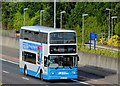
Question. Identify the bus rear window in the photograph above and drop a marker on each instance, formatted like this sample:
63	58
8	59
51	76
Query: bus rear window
62	38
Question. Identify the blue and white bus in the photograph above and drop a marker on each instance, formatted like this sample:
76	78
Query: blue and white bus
48	53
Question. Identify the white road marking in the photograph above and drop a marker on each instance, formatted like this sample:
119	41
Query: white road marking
80	82
9	61
95	80
25	78
5	71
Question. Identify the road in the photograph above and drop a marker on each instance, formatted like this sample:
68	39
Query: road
10	51
12	75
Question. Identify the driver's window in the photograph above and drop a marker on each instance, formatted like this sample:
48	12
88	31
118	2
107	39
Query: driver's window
45	61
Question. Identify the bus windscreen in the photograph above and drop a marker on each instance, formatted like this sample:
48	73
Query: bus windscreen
62	38
62	61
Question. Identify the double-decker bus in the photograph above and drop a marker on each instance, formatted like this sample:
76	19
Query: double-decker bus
48	53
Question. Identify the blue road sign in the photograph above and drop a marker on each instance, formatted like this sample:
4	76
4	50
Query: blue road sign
93	36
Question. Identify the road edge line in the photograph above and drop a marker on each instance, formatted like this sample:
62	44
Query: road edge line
9	61
80	82
5	72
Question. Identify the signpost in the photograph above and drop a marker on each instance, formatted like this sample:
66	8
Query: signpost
93	36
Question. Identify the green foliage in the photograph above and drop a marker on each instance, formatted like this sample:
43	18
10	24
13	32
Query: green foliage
18	21
79	34
103	52
117	29
91	25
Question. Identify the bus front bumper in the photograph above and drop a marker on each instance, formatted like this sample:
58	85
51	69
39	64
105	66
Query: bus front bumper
60	77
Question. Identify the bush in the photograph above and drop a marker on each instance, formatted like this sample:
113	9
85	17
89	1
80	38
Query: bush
102	41
114	41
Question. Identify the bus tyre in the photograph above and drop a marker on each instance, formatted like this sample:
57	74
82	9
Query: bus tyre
25	71
41	76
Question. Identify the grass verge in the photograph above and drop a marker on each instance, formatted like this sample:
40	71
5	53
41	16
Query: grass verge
104	52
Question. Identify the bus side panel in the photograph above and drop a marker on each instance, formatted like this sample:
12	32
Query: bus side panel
32	73
21	63
35	73
33	69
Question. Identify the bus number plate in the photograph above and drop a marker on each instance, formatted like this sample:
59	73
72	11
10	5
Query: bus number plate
63	78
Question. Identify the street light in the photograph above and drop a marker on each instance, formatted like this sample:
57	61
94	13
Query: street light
41	16
113	17
83	28
61	18
54	14
24	14
108	24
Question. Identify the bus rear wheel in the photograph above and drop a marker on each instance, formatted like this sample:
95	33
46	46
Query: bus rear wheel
25	71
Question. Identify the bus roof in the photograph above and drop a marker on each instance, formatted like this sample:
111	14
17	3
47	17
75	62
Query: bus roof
44	29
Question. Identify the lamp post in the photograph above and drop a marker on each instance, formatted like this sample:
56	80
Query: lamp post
61	18
41	16
108	24
24	14
54	14
113	17
83	28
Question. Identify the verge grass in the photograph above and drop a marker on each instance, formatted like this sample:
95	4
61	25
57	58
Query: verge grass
103	52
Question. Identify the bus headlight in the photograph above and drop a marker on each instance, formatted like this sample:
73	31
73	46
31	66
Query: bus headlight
74	72
52	72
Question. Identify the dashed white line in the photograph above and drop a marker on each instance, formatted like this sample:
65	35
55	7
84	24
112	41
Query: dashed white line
5	71
80	82
9	61
25	78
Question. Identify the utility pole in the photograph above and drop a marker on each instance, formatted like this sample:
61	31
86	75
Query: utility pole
24	14
54	14
113	17
83	27
108	24
61	18
41	11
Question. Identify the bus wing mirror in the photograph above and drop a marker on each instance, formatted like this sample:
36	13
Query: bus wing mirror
77	58
45	61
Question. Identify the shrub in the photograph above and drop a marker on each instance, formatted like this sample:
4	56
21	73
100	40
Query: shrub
114	41
102	41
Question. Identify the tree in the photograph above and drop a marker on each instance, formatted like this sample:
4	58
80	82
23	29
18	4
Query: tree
117	29
18	21
91	25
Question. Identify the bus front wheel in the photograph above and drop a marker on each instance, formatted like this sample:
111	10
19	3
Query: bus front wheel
41	76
